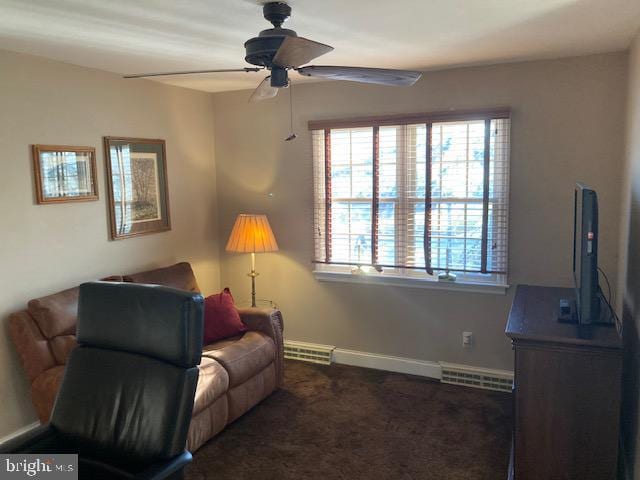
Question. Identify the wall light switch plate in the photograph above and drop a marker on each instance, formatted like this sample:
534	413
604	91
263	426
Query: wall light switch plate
467	339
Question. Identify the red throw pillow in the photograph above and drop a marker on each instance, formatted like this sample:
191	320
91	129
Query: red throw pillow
221	319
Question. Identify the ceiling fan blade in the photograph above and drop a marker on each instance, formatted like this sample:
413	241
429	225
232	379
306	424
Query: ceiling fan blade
296	51
190	72
382	76
264	91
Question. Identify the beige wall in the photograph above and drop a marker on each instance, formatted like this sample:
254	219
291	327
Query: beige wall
568	125
46	248
630	268
568	117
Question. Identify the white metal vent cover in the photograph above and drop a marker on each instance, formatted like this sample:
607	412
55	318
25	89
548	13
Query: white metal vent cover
308	352
499	380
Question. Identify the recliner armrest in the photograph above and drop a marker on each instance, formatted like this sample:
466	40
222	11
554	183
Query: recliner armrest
161	470
268	321
26	440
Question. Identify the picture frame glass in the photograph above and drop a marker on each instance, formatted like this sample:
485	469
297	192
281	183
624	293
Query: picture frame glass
64	174
138	186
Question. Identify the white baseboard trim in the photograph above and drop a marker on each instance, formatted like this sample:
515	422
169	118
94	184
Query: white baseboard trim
19	432
465	375
410	366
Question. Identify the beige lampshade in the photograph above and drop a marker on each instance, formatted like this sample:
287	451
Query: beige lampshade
251	233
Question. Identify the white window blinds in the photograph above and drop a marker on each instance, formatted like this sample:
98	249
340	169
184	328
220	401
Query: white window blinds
421	193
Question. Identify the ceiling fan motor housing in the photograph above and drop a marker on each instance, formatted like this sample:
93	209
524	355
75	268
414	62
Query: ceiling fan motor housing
260	50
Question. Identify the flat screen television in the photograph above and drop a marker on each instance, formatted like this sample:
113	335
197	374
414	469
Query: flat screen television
585	256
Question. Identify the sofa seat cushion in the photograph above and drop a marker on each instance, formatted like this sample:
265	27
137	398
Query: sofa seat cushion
219	344
243	356
208	423
213	382
243	397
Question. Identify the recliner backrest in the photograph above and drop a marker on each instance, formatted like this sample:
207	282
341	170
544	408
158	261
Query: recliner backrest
128	388
153	320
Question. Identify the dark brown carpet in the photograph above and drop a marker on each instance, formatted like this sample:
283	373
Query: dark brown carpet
339	422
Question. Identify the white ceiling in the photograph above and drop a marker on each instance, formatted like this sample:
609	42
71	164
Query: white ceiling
132	36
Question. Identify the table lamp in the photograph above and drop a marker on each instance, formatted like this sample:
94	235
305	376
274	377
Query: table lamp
252	234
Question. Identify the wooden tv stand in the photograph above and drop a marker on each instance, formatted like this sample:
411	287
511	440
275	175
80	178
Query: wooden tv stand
566	394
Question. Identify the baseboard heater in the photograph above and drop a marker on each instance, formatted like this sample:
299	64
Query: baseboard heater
308	352
484	378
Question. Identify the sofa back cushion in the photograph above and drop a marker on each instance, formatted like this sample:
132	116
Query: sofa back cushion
44	334
178	276
56	314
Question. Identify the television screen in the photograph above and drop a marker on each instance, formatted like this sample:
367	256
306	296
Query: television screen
585	254
577	235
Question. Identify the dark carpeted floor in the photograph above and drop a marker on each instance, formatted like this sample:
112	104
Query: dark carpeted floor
339	422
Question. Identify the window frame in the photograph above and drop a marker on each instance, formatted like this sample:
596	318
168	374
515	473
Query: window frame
406	276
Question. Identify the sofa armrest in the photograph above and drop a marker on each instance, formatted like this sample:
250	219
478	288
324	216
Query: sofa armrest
268	321
44	390
31	345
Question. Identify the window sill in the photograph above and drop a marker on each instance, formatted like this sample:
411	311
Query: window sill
393	281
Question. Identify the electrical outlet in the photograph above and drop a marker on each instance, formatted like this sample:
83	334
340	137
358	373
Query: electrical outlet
467	339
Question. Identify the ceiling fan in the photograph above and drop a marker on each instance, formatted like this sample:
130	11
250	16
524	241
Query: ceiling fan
279	50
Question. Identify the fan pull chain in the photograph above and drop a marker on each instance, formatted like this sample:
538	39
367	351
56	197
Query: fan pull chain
292	136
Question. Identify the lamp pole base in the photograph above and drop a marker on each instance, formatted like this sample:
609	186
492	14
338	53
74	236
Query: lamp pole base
253	288
253	276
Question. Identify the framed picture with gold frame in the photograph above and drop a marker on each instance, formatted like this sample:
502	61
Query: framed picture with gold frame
137	186
64	173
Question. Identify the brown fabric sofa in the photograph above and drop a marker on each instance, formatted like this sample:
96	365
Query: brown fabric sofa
235	373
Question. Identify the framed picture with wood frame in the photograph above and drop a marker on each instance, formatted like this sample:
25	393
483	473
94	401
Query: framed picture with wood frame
137	186
64	173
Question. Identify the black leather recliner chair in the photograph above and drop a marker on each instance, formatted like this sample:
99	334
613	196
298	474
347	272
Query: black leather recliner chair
126	398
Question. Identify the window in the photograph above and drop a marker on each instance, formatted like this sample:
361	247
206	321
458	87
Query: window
413	196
